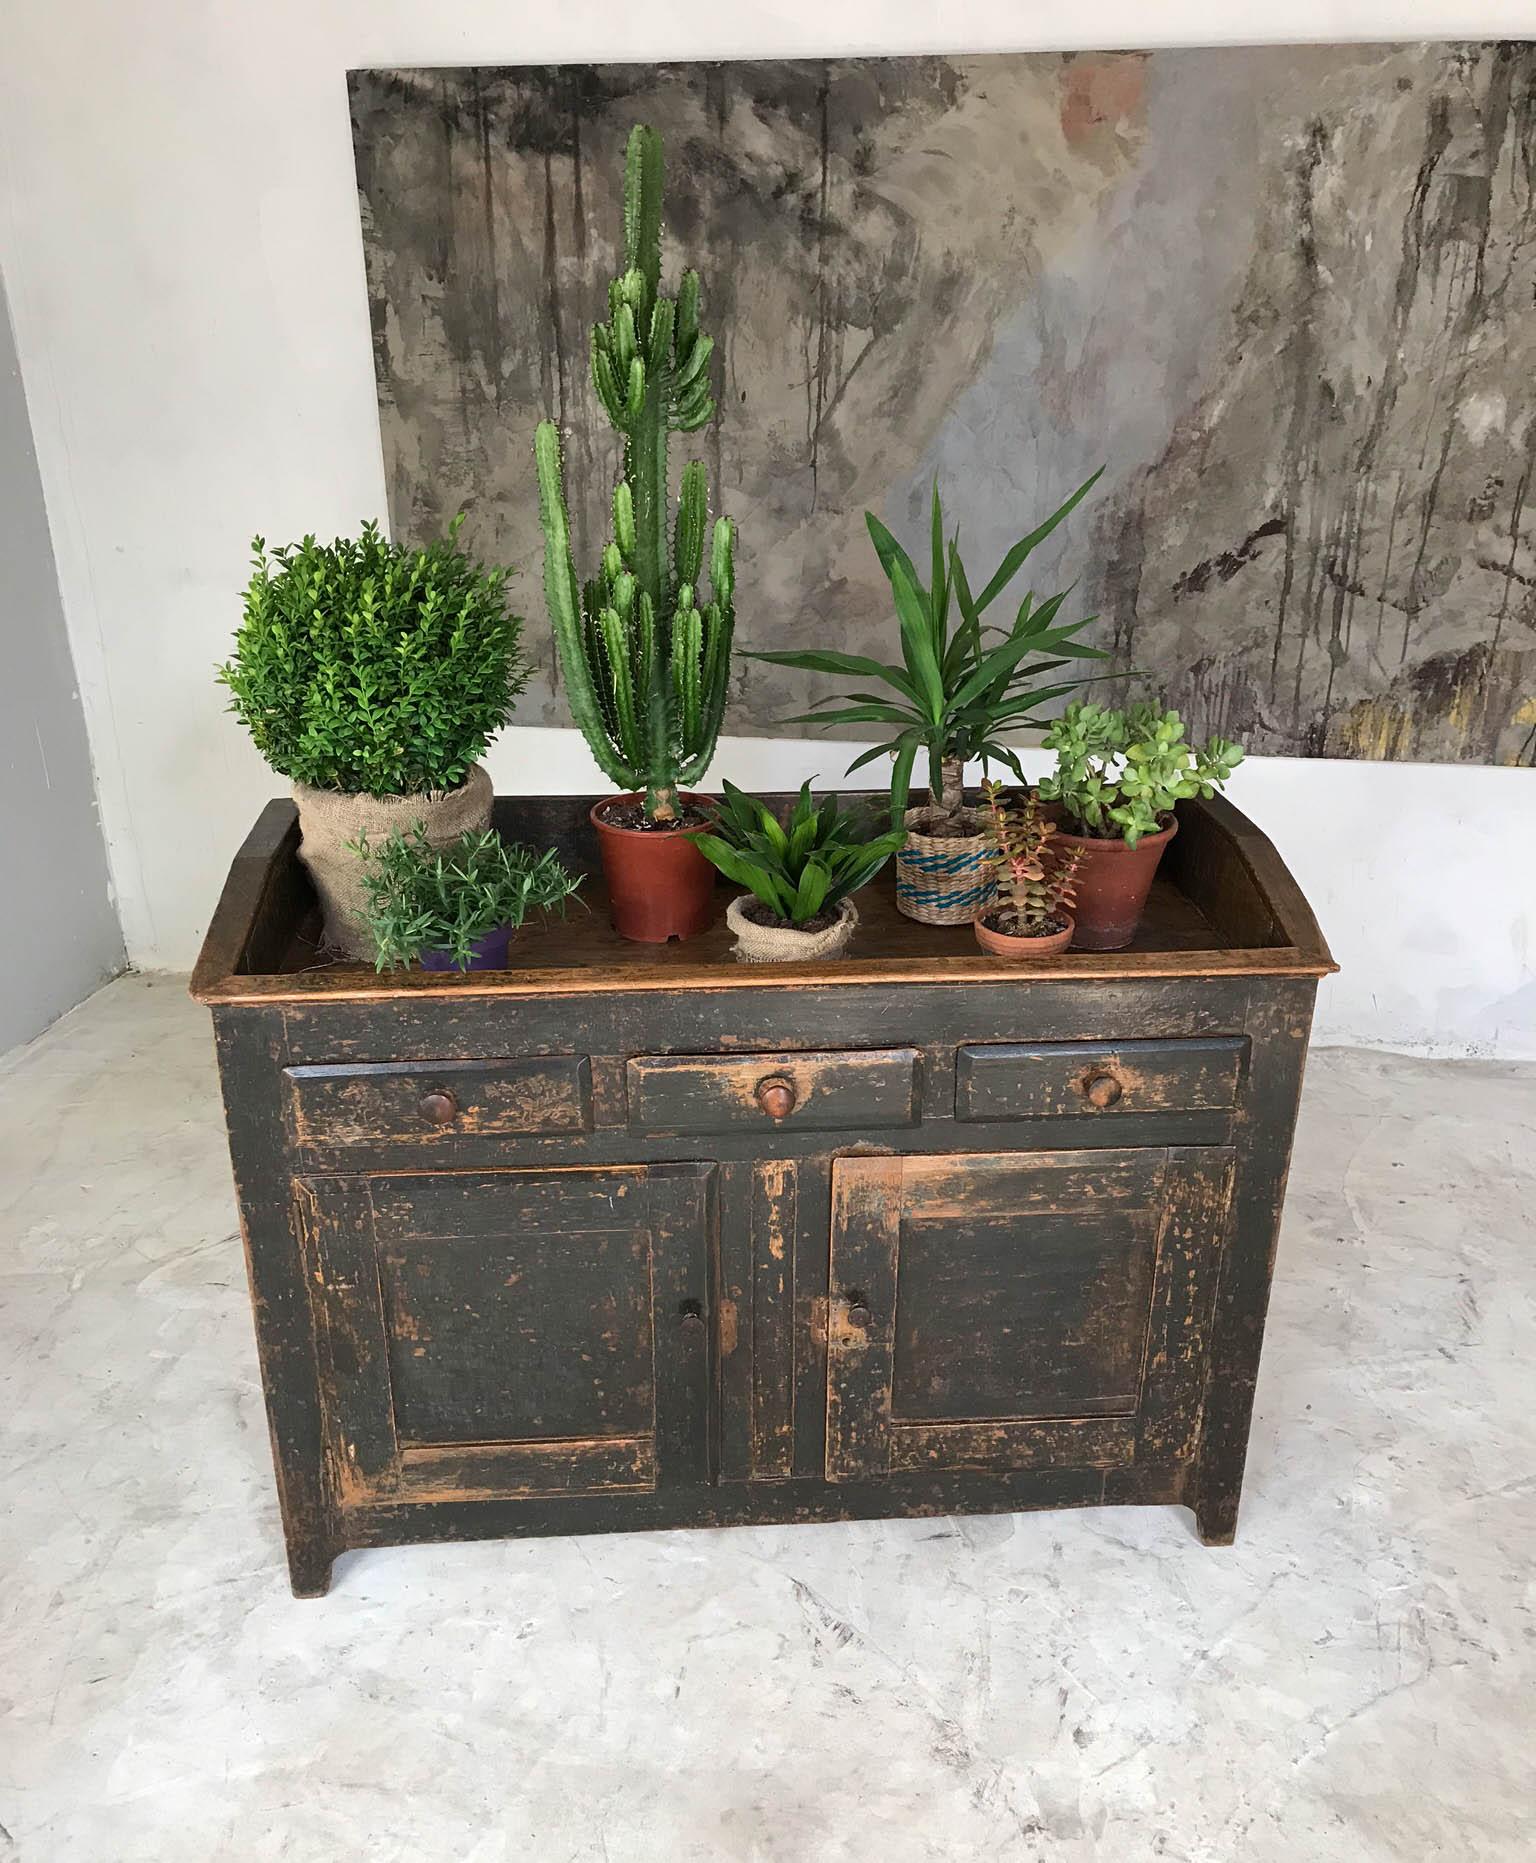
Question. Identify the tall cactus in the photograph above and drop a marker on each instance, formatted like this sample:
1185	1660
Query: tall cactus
645	656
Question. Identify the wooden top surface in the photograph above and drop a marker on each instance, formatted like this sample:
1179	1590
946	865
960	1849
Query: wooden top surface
1224	905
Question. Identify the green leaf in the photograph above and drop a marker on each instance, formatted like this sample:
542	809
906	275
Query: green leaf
917	644
994	664
869	756
891	553
854	714
938	594
853	665
815	881
901	778
1011	563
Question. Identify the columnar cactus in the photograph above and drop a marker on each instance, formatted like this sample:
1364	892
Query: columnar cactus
645	655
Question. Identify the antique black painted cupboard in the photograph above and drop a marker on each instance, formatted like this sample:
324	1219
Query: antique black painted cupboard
629	1237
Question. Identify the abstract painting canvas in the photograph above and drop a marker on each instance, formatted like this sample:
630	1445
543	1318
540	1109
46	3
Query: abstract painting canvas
1287	297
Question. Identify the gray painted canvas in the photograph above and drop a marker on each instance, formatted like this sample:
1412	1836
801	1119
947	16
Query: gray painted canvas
59	935
1285	295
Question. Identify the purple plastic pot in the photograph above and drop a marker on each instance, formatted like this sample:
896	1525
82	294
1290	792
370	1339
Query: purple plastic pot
487	953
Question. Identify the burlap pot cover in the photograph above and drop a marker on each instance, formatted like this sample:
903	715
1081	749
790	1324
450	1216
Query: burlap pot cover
782	944
945	879
329	820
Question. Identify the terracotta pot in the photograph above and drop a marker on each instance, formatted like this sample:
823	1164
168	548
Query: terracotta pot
1112	886
659	885
487	953
786	944
1007	944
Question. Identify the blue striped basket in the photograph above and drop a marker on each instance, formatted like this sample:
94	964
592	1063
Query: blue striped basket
945	879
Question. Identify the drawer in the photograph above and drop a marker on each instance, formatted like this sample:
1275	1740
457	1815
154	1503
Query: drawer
1046	1080
422	1102
817	1092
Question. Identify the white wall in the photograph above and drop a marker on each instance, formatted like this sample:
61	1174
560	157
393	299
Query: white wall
59	936
181	242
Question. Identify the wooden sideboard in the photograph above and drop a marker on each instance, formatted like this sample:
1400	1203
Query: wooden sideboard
641	1237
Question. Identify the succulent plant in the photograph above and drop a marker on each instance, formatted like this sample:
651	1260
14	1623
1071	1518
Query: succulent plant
1035	881
1119	773
644	646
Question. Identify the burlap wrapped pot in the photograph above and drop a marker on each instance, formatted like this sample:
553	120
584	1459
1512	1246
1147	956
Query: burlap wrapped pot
782	944
328	820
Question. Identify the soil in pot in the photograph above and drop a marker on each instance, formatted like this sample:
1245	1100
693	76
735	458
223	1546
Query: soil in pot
935	826
659	885
1112	885
993	938
487	953
763	938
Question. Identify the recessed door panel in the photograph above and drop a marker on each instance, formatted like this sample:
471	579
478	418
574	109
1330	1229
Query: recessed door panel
512	1333
1016	1310
1009	1316
519	1336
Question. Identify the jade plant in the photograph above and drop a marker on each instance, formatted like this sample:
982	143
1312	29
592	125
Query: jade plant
644	645
954	693
369	668
799	869
1036	883
427	899
1119	773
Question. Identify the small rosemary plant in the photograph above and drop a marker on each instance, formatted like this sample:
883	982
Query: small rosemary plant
1036	882
422	898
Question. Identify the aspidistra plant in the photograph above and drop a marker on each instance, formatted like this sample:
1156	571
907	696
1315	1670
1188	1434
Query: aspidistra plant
799	867
953	695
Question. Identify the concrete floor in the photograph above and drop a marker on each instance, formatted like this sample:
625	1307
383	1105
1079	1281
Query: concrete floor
1356	1679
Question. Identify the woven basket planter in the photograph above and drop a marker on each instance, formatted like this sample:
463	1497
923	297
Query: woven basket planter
944	879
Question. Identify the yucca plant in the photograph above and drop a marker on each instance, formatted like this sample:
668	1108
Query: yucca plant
800	868
953	694
644	649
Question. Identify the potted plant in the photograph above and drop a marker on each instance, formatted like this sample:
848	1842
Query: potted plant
374	676
949	700
1118	776
1030	919
454	907
644	647
800	875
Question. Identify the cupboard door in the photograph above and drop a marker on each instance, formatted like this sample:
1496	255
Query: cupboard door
1020	1310
511	1334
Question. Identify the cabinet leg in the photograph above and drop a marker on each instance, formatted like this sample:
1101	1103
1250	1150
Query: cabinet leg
1216	1520
309	1567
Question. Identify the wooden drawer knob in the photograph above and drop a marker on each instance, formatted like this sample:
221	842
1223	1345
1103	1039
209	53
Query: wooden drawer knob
690	1316
1103	1090
776	1096
439	1107
858	1310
